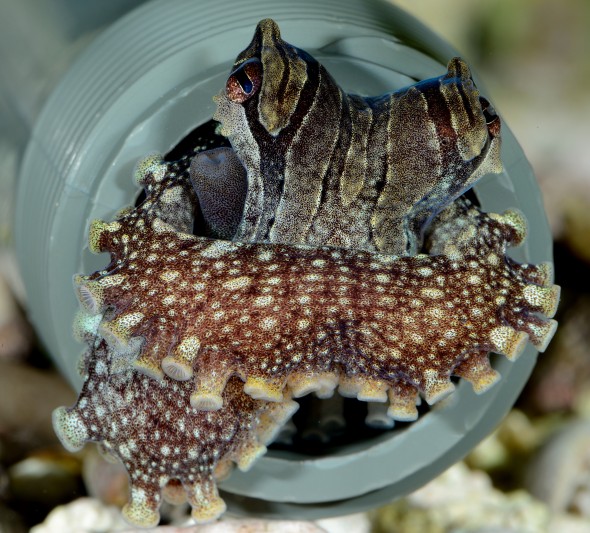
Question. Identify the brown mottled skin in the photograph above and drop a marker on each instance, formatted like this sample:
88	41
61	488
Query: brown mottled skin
314	317
286	319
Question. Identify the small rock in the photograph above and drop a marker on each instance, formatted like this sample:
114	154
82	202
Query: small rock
46	478
89	514
357	523
463	500
83	514
560	474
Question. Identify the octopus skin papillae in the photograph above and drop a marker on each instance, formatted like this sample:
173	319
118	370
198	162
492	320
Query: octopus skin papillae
196	347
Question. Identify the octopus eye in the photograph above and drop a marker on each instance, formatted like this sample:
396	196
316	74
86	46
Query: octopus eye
244	82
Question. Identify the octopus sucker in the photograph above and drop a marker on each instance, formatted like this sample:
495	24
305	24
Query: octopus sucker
403	399
209	387
435	387
322	383
477	370
326	382
223	469
540	332
179	364
150	166
205	501
378	417
363	387
118	332
148	366
70	429
177	369
262	388
173	492
542	274
514	219
85	325
544	298
508	341
89	295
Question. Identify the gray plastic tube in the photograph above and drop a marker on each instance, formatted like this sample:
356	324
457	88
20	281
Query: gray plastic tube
141	87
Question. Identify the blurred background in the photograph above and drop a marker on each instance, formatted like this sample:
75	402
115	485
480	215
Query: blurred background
533	473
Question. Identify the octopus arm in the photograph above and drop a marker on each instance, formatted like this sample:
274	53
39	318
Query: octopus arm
167	447
381	327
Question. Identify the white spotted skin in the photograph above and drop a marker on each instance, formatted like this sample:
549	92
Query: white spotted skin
70	428
129	414
275	316
272	313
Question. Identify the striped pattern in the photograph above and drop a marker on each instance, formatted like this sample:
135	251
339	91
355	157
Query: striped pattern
328	168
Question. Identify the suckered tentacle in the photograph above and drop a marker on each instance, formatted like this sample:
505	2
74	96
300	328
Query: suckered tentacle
164	443
279	316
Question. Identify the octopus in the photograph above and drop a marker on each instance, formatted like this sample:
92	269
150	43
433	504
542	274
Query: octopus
340	256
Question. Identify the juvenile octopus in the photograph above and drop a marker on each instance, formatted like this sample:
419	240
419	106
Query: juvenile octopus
196	346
